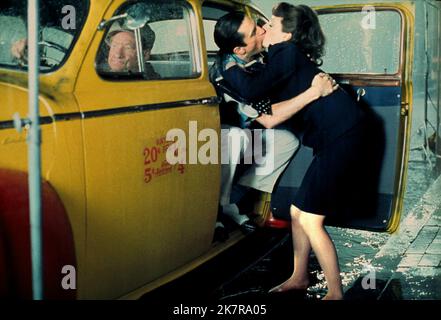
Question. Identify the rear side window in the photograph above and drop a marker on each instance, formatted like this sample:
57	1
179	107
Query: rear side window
211	13
362	41
161	44
61	22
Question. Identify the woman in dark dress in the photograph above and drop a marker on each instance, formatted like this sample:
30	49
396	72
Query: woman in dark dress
334	127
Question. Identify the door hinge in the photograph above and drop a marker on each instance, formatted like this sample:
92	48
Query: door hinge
404	109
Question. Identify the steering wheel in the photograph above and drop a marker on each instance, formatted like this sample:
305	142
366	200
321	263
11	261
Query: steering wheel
52	45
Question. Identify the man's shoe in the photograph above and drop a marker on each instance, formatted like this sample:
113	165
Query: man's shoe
220	234
247	227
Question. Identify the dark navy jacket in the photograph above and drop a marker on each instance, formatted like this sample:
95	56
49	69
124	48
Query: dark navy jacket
288	73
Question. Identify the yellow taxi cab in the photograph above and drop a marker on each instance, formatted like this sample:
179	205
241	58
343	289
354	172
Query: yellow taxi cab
117	214
114	209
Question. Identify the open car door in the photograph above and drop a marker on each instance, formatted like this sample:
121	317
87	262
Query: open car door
369	52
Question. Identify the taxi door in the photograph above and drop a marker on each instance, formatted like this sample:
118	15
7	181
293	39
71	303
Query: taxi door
145	216
369	51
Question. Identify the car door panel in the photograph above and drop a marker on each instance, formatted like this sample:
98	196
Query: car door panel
160	216
386	96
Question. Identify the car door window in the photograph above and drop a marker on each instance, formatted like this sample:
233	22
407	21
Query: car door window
61	22
168	44
370	42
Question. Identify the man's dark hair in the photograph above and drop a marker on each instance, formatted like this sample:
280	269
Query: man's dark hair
226	33
227	37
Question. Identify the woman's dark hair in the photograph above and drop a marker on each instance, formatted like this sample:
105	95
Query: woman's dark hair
302	22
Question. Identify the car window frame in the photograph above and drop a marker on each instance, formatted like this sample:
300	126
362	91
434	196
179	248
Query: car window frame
68	52
195	49
395	77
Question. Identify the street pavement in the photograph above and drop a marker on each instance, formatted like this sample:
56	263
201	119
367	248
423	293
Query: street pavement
374	266
408	265
417	245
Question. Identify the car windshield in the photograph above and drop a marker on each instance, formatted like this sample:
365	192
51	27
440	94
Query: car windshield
61	22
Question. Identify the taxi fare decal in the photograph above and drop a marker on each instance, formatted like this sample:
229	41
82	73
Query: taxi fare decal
155	162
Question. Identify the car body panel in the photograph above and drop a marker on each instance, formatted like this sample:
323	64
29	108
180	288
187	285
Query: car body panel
153	210
405	75
388	96
158	221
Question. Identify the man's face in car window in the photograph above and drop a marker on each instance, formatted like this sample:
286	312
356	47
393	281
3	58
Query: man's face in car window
122	53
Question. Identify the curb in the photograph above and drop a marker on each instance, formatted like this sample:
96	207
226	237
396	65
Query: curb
393	251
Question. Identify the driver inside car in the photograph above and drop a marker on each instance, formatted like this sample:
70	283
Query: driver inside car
55	44
121	47
122	56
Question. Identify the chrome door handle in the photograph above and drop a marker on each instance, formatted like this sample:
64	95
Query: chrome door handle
360	93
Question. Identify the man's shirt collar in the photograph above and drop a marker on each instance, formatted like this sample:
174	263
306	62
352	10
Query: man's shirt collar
258	58
233	58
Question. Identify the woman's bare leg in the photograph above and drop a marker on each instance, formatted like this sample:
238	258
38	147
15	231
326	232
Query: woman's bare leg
299	279
324	249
